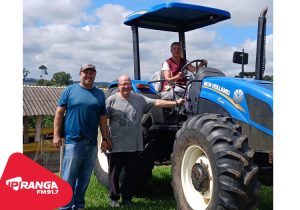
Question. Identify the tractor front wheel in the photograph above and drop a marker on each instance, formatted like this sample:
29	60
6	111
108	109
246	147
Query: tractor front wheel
212	166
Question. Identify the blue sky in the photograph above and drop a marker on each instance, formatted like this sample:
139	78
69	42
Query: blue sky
63	34
241	33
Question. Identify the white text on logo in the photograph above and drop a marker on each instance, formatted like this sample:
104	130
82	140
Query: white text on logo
216	87
41	187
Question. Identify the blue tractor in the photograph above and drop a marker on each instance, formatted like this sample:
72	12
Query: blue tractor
221	150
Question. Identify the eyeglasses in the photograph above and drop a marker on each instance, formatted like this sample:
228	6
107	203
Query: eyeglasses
125	84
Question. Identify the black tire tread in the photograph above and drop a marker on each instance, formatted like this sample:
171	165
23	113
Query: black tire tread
236	170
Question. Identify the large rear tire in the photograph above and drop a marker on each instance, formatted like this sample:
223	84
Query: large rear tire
212	166
145	163
143	171
101	165
101	168
147	157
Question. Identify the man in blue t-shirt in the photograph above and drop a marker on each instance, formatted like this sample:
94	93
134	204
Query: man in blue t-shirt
83	107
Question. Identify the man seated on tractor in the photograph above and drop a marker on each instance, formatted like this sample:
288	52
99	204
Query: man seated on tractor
172	72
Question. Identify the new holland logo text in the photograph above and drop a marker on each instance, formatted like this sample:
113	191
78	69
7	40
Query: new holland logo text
217	88
41	187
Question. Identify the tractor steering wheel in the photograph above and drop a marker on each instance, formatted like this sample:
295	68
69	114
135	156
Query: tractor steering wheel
197	61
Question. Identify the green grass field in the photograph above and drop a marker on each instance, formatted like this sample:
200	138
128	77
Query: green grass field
157	195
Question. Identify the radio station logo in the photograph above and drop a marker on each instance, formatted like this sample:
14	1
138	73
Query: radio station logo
41	187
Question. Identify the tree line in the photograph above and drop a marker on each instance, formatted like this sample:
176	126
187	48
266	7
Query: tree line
64	79
58	79
251	74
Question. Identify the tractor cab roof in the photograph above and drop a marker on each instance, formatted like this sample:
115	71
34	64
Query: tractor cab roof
176	17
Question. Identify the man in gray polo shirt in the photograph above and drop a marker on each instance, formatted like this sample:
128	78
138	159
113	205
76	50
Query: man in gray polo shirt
125	111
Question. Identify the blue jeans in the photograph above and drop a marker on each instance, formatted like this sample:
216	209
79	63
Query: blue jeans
77	166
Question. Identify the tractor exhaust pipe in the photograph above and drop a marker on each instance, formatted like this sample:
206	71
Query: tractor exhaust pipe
261	46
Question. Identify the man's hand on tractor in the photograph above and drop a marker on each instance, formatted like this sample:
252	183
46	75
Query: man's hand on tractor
180	101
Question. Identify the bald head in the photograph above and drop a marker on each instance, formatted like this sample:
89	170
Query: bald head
123	78
124	85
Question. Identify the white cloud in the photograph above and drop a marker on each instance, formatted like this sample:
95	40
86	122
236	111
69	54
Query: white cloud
54	11
64	47
63	42
243	13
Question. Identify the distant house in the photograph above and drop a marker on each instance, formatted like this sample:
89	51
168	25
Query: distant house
38	101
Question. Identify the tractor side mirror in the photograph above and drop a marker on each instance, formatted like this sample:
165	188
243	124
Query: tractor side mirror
240	57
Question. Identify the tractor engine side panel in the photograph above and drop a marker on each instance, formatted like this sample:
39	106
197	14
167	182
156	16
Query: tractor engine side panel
247	102
258	140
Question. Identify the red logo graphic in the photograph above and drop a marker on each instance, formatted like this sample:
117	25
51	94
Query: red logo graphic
27	185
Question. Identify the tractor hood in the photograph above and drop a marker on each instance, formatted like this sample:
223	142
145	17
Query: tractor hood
173	17
250	101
